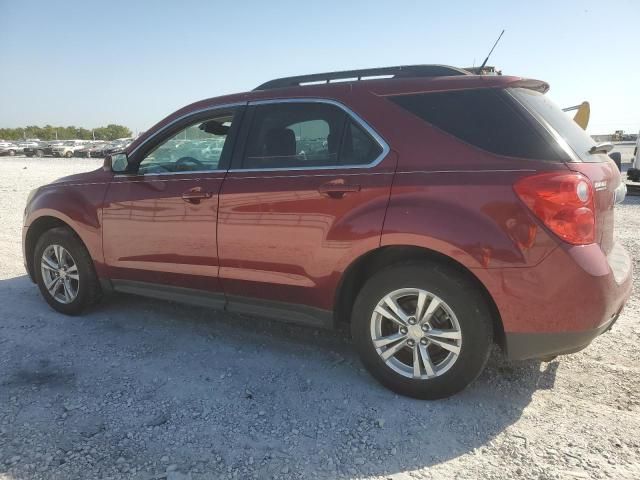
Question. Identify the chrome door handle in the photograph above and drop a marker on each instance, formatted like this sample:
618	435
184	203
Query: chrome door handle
194	195
338	189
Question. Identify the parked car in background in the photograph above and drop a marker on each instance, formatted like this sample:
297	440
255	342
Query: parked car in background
117	146
88	149
9	148
82	151
633	173
437	212
29	142
37	149
98	150
67	148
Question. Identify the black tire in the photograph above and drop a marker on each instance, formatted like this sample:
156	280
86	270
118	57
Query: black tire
12	153
463	298
39	153
88	292
68	154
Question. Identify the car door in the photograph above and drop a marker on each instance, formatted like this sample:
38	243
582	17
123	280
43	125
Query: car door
306	194
159	220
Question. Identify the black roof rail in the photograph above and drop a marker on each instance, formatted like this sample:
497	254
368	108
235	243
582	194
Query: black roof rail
405	71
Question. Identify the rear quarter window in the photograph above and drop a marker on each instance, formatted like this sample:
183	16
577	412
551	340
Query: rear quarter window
564	126
485	118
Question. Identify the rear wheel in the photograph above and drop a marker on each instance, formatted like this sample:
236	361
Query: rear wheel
68	154
64	272
422	330
12	153
39	153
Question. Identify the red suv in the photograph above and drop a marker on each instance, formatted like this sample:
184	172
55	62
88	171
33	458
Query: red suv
435	211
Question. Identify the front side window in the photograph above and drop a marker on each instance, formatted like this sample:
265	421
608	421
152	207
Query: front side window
196	148
299	135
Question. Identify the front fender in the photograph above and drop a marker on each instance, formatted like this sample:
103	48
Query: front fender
78	205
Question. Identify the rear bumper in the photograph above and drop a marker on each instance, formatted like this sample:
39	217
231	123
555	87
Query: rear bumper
521	346
560	305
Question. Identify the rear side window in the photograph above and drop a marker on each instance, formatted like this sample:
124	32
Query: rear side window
486	118
563	124
306	135
358	148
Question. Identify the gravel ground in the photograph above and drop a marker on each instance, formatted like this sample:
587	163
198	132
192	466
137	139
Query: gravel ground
143	389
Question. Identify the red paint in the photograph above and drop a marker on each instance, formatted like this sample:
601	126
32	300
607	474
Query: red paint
283	239
151	233
286	236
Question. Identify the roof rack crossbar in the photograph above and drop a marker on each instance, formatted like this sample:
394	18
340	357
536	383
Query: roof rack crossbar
405	71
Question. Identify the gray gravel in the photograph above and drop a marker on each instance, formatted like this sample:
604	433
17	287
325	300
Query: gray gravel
142	389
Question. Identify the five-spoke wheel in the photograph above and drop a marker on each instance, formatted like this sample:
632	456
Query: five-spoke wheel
60	273
64	271
416	333
423	330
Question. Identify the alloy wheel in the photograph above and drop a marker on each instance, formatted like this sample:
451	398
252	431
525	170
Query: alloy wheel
60	274
416	333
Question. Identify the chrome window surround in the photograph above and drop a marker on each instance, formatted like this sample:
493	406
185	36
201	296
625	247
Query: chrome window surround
560	141
354	116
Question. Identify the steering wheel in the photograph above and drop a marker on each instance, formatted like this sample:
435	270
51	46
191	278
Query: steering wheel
184	161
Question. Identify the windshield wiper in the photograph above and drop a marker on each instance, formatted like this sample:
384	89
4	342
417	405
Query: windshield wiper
604	147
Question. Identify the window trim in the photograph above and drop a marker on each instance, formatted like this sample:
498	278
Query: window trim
350	113
560	143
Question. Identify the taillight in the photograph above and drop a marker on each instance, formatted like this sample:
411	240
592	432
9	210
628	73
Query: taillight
564	202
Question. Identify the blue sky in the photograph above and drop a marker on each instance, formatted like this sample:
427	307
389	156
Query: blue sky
89	63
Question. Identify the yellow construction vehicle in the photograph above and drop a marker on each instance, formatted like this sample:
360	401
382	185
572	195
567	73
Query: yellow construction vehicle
582	114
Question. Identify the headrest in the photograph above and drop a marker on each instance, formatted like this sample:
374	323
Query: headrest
280	142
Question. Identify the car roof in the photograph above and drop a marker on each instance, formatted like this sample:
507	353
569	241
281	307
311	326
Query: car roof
445	79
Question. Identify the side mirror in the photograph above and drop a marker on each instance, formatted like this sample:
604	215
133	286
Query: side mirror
117	163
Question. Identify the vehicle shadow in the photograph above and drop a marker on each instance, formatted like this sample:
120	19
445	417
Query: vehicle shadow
140	379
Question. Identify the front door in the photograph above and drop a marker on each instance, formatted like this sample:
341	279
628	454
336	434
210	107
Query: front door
159	221
306	194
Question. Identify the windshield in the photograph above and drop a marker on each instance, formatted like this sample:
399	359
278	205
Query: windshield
572	134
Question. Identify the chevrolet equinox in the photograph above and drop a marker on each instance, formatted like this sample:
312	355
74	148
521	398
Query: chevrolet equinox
435	211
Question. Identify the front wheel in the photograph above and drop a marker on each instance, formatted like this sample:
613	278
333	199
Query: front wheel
64	272
422	330
68	154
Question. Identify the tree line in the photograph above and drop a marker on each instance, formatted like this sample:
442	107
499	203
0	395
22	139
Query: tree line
49	132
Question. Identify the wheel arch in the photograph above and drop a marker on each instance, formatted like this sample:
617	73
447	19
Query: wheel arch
363	267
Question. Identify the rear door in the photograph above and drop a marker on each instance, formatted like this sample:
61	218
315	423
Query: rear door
159	221
306	194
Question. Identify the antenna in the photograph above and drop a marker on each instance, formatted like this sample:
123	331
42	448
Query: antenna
490	52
